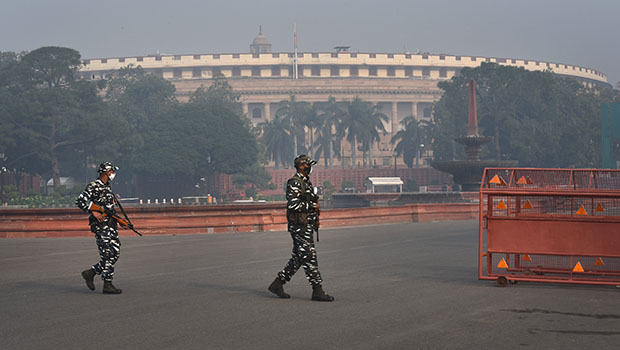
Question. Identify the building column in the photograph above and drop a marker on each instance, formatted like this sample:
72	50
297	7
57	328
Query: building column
267	111
394	118
414	110
246	109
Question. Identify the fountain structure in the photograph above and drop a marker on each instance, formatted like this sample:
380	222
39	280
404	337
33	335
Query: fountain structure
468	173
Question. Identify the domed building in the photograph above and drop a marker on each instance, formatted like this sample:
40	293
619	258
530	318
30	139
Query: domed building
401	84
260	43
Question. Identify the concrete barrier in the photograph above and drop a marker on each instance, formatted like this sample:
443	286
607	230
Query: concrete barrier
69	222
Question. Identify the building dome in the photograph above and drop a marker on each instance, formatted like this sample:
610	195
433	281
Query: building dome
260	40
260	43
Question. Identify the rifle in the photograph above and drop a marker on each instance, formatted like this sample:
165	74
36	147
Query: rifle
108	213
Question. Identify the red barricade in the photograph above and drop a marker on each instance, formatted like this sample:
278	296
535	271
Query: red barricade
550	225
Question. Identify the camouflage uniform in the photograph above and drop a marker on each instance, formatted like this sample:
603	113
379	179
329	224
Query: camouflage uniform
302	216
106	233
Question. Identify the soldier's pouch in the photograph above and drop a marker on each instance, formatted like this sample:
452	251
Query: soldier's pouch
297	218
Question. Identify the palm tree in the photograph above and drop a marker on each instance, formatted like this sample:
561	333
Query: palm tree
332	113
374	122
294	112
312	120
277	139
408	140
353	124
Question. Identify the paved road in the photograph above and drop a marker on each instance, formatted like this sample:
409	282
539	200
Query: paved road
402	286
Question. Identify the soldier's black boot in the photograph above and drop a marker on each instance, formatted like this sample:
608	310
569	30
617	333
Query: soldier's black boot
108	288
276	287
88	276
319	295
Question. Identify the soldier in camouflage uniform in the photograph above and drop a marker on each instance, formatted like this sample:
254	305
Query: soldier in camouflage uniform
302	213
104	227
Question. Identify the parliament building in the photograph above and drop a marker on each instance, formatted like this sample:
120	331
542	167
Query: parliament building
401	84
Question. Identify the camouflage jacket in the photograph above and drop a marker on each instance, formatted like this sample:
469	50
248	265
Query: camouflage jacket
302	202
98	193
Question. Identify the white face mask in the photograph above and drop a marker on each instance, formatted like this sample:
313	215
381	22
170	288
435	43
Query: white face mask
112	176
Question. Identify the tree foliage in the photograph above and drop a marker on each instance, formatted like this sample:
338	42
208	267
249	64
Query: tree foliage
536	117
53	122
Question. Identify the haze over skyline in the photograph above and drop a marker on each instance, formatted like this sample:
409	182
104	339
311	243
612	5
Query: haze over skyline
570	31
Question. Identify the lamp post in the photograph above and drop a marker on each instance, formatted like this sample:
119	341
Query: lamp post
395	166
421	153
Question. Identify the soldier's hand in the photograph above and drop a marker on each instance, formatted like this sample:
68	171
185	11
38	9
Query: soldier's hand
98	216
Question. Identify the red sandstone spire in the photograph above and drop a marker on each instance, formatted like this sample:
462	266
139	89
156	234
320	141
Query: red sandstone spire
472	118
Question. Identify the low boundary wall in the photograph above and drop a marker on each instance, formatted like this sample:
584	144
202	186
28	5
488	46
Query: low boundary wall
70	222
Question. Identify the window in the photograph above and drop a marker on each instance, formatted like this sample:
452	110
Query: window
217	72
121	60
196	73
458	58
526	62
372	71
140	59
426	72
104	60
196	57
216	56
427	112
443	73
236	71
373	55
387	161
537	63
315	55
290	71
408	56
390	55
500	60
255	55
513	61
177	57
291	55
409	71
353	71
275	71
442	57
235	55
425	56
275	55
334	55
390	72
86	61
257	113
473	59
316	71
353	55
255	71
157	58
177	73
335	71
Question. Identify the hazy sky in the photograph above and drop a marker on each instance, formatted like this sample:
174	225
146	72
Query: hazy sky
578	32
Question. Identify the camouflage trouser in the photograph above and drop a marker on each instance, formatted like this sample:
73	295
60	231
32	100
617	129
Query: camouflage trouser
109	249
304	254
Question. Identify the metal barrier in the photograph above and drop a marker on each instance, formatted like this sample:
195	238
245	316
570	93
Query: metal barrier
550	225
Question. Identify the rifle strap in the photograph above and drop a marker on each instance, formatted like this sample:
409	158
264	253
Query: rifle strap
121	208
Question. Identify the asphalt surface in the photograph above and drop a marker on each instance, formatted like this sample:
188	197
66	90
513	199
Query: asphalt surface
402	286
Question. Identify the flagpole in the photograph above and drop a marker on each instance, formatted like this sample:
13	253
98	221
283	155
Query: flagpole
295	73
